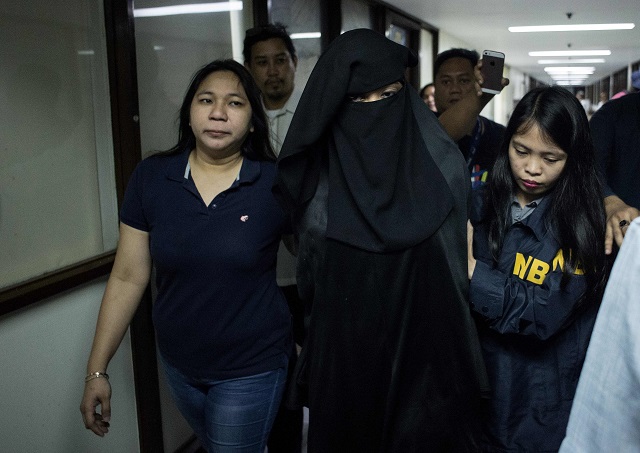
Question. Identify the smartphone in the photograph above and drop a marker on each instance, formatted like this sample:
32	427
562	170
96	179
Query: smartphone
492	67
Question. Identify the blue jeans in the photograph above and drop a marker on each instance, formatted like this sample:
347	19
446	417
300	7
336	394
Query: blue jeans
230	415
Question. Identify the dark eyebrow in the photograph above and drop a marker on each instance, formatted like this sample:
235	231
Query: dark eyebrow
228	95
555	151
281	54
519	144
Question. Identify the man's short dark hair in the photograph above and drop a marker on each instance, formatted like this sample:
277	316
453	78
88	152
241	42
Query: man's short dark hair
264	32
467	54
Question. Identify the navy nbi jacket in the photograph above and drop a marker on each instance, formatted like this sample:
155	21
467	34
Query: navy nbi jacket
533	341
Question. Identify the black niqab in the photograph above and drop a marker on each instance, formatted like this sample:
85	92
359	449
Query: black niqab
380	168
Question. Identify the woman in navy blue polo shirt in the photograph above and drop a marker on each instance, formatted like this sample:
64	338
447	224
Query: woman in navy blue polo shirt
204	215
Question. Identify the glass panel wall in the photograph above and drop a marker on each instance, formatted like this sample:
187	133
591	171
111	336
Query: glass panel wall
170	49
356	14
57	187
302	19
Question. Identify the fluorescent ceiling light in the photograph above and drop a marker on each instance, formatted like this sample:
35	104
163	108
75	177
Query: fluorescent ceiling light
188	9
565	80
570	69
310	35
569	76
579	27
577	61
569	82
569	53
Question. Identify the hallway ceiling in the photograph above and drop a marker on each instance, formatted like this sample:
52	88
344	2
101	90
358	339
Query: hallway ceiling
483	24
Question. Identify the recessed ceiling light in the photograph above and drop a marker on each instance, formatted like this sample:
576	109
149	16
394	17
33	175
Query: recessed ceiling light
569	53
577	27
576	61
188	9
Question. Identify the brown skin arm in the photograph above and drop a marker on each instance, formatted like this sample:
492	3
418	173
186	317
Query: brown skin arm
127	282
460	119
471	261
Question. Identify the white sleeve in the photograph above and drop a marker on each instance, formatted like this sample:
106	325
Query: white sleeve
606	410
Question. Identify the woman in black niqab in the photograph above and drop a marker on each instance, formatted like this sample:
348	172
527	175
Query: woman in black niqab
391	361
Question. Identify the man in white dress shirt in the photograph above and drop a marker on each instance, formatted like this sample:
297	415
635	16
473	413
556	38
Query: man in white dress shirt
270	57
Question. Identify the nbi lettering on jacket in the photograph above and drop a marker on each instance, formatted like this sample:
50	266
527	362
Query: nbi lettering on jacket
535	270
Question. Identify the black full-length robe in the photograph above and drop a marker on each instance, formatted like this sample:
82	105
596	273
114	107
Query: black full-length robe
391	362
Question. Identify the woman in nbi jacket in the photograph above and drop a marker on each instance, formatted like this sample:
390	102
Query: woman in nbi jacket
537	269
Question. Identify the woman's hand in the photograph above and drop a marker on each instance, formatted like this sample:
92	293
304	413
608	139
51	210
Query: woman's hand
97	392
127	282
471	261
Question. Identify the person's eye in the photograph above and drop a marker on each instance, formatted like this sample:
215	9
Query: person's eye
388	93
261	63
520	152
236	103
551	160
204	101
356	98
465	81
282	60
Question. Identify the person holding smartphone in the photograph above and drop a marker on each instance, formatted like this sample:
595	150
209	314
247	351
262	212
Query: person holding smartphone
459	100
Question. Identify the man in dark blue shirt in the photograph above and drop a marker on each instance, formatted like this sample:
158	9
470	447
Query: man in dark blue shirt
459	106
616	137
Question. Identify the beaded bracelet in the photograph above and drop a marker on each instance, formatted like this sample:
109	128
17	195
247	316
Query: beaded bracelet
97	374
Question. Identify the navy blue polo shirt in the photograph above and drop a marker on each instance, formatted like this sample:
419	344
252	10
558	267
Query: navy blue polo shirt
219	313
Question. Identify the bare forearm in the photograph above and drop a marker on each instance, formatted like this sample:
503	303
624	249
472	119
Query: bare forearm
119	304
460	119
471	261
128	281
